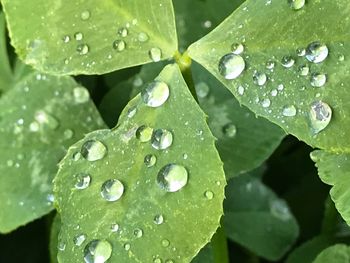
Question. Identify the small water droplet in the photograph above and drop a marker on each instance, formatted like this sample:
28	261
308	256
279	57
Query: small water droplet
316	52
274	93
280	210
150	160
304	70
270	64
76	156
78	36
43	118
161	139
172	177
296	4
144	133
79	239
97	251
155	94
112	190
301	51
68	134
237	48
287	61
61	246
259	78
209	194
266	103
318	80
165	243
81	95
83	49
229	130
85	15
93	150
155	54
240	90
231	66
341	57
66	39
127	246
132	111
142	37
280	87
114	227
138	232
119	45
123	32
82	180
320	116
158	219
202	90
289	111
157	260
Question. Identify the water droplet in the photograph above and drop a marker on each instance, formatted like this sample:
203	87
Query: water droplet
165	243
119	45
142	37
304	70
97	251
79	239
112	190
144	133
209	195
66	39
157	260
132	111
81	95
115	227
61	246
78	36
155	54
83	49
82	180
237	48
320	116
231	66
259	78
287	61
280	87
301	52
172	177
270	64
155	94
280	210
274	93
68	134
289	111
46	119
207	24
316	52
229	130
161	139
158	219
240	90
341	57
296	4
150	160
85	15
202	90
318	79
93	150
123	32
266	103
127	246
138	232
34	126
76	156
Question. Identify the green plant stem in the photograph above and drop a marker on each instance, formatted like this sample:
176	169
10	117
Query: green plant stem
219	245
184	62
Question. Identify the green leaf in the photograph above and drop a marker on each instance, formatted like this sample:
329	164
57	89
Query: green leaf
38	121
55	229
205	255
334	169
82	37
308	251
286	93
5	69
244	141
257	219
192	212
339	253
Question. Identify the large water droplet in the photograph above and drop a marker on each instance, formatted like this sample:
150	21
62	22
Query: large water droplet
161	139
150	160
97	251
83	49
237	48
119	45
81	95
318	80
259	78
79	239
82	181
320	116
144	133
172	177
93	150
289	111
231	66
296	4
155	54
229	130
112	190
155	94
316	52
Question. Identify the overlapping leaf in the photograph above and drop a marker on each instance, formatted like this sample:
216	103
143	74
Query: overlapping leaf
192	212
338	253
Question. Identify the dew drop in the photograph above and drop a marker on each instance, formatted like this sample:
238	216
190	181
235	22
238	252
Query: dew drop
266	103
78	36
289	111
82	181
150	160
304	70
274	93
93	150
85	15
157	260
68	134
144	133
240	90
142	37
79	239
127	246
155	54
316	52
172	177
66	39
83	49
155	94
231	66
287	61
112	190
161	139
97	251
341	57
320	116
259	78
301	51
296	4
81	95
270	64
138	232
209	194
202	90
119	45
280	210
158	219
165	243
229	130
115	227
318	80
237	48
46	119
123	32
